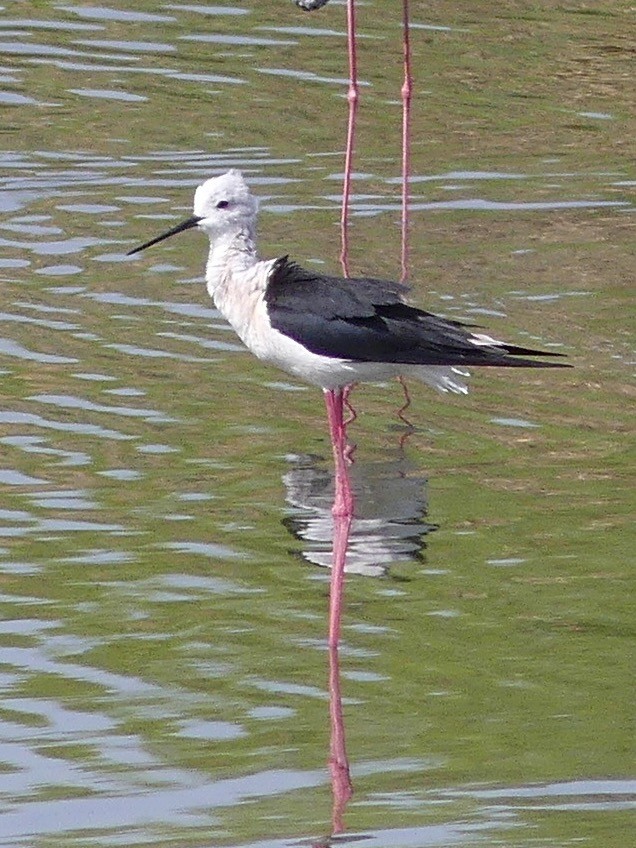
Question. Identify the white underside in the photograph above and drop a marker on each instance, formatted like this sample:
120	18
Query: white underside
327	372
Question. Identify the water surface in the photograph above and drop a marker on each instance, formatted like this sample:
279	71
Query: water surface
164	518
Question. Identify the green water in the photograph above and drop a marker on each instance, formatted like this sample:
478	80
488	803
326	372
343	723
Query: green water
162	641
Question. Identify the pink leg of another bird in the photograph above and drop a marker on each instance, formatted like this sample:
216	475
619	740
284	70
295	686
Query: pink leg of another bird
352	97
407	90
342	509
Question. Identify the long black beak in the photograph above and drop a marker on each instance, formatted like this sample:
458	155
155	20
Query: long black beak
184	225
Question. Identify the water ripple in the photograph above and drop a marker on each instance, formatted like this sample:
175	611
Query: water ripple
160	625
74	402
31	419
104	13
9	347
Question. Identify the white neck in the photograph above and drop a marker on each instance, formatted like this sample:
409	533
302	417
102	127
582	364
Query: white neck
230	253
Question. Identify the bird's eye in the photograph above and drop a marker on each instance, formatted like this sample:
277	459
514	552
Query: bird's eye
222	204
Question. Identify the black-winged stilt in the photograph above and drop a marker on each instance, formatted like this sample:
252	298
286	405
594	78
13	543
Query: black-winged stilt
329	331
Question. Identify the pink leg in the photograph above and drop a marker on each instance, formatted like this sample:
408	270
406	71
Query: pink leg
343	501
341	529
406	404
342	509
349	449
352	97
350	409
401	413
341	787
407	90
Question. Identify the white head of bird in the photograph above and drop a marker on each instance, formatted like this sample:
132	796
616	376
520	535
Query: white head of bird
225	206
225	210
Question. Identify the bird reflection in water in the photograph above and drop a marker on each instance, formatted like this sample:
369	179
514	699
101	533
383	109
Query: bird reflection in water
388	527
389	521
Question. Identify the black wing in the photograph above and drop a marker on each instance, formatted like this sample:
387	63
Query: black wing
366	320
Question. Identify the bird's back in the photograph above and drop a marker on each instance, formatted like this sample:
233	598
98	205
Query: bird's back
367	320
